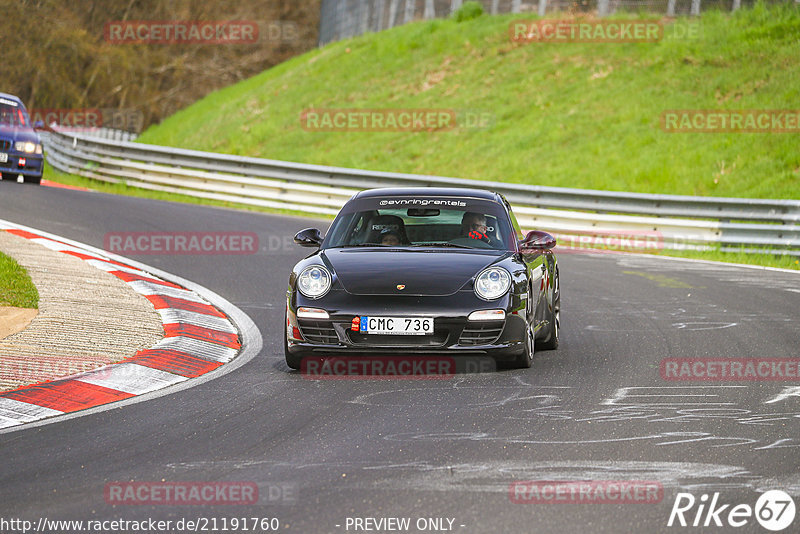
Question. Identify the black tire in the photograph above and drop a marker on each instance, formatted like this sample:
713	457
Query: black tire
555	318
292	360
36	180
525	360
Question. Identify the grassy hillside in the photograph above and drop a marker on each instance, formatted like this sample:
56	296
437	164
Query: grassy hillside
563	114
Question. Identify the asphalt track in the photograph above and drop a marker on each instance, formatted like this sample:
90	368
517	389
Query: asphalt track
597	408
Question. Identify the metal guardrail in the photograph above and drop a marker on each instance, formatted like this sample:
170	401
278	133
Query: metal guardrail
113	134
668	221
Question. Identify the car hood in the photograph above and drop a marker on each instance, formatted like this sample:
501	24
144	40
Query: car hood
13	133
423	272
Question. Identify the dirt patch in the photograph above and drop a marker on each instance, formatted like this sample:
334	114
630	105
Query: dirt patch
13	320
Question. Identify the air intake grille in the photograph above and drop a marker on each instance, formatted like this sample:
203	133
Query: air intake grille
321	332
481	333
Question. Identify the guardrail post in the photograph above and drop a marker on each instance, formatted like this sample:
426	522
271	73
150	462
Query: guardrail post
364	24
542	7
340	14
671	8
430	12
516	5
392	13
380	7
409	14
351	20
455	5
695	7
602	8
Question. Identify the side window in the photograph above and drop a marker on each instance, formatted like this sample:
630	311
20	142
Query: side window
359	231
517	230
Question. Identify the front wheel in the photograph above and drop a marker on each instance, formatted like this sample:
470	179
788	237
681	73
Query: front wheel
292	360
555	317
525	360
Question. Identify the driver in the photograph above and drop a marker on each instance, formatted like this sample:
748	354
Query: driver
473	225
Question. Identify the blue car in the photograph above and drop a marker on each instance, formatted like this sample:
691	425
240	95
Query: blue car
20	145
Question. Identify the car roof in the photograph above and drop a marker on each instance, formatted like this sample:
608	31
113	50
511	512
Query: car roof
11	97
429	192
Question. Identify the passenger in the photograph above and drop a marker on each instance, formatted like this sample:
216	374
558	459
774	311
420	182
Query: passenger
390	237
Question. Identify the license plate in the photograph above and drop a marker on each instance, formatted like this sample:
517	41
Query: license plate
3	157
399	326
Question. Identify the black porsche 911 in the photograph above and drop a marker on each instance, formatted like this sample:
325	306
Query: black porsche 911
424	271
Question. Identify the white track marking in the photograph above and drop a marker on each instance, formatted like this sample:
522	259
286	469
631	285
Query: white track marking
789	391
111	267
14	412
149	288
172	315
197	347
131	378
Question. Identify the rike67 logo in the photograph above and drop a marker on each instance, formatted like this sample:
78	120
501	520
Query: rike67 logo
774	510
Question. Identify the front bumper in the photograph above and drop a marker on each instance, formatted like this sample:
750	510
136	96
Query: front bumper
453	333
33	164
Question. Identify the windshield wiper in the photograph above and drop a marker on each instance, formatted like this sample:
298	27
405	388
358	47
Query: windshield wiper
435	244
364	245
440	244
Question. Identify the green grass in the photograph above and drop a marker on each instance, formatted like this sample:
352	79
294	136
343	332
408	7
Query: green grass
16	288
763	260
573	115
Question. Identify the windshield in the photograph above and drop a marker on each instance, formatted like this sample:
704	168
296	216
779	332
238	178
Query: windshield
453	223
12	114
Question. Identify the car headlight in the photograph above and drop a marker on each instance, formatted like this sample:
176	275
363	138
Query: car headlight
492	283
25	146
314	281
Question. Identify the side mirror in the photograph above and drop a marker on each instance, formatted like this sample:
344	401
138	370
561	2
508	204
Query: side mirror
38	125
537	240
310	237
